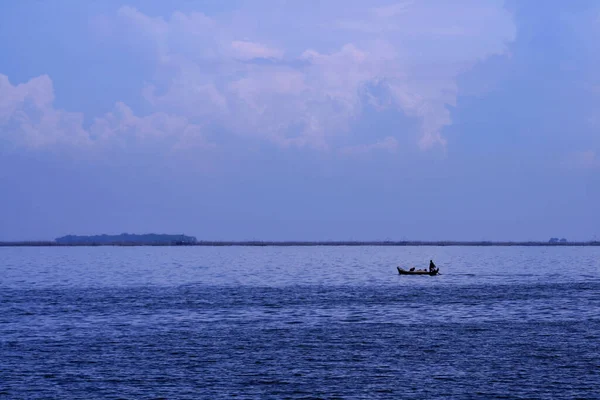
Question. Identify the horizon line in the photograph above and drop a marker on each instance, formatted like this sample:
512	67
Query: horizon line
289	243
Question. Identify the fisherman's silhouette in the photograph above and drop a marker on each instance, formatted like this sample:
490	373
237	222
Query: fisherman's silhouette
432	266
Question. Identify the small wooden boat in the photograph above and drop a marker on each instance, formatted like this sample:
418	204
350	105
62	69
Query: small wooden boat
418	272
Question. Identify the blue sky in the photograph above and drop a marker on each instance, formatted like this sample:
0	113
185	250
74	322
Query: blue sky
293	120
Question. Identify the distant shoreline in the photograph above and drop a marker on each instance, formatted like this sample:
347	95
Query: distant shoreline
253	243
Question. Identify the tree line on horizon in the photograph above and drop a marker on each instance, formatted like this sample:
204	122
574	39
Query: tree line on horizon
152	239
127	238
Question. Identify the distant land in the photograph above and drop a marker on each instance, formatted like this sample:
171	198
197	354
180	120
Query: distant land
127	239
153	239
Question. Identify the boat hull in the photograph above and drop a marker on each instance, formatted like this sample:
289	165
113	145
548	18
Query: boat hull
405	272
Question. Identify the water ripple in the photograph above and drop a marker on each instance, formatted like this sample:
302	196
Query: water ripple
298	323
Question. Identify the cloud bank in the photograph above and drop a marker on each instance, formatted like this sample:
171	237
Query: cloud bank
286	73
28	118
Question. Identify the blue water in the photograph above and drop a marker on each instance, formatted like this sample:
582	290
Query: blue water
299	322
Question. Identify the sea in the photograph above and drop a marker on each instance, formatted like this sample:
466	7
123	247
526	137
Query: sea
316	322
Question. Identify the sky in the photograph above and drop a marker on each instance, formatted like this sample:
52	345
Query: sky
300	120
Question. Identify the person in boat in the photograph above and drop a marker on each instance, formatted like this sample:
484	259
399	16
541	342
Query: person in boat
432	266
412	269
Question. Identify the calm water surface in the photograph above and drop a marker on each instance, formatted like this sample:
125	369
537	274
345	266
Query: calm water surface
299	322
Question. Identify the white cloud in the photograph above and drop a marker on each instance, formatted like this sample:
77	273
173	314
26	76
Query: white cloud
284	73
312	91
27	115
122	125
389	144
249	50
28	118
